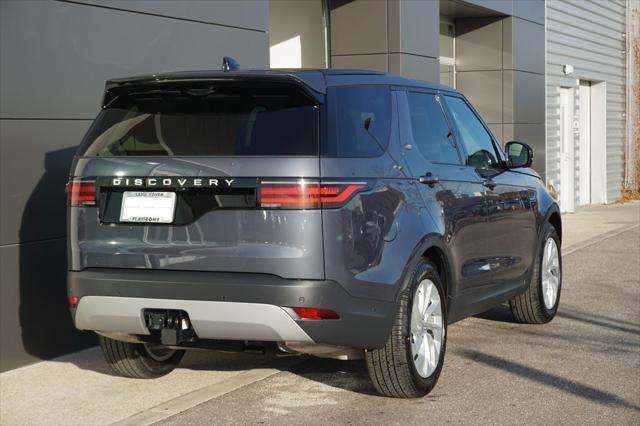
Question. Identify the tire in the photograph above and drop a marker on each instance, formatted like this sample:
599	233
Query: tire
531	307
393	368
137	360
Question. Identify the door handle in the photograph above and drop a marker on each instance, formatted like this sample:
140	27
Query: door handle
489	184
429	179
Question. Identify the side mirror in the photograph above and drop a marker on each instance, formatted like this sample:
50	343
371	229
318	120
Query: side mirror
519	154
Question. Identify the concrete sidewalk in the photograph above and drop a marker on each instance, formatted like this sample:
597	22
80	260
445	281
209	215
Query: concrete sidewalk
79	388
590	224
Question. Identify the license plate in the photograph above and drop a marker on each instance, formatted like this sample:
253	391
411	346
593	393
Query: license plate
148	207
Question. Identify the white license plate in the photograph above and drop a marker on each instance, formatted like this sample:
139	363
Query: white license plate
148	207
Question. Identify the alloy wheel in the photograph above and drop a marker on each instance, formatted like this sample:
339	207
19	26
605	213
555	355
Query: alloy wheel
550	273
427	328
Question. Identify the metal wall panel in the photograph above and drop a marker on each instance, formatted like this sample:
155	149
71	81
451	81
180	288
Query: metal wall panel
359	27
483	88
523	97
418	19
54	60
397	36
589	36
378	62
63	53
500	66
246	14
478	44
413	66
523	43
35	156
504	7
35	322
531	10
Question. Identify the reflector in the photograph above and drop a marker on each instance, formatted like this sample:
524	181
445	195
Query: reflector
316	313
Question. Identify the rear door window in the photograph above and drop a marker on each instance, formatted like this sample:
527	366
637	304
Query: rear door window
224	120
431	134
359	121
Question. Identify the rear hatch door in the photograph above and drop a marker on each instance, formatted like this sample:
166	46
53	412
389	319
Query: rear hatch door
177	170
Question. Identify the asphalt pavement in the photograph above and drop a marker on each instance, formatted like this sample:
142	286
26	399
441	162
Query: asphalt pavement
582	368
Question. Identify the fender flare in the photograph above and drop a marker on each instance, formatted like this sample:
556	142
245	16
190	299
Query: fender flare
552	209
428	241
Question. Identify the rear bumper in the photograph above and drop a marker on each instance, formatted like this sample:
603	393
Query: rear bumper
228	306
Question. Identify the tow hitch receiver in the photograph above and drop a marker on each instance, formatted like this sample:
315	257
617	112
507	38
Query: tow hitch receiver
172	326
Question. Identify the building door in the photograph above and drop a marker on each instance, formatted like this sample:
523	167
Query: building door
567	166
584	148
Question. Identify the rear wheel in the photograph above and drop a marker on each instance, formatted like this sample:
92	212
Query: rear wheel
138	360
409	365
539	304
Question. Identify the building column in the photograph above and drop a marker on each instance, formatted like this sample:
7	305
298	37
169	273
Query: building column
397	36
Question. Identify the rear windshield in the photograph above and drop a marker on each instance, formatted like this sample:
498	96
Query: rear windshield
229	119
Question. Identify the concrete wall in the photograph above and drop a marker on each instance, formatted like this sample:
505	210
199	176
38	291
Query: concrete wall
54	60
589	35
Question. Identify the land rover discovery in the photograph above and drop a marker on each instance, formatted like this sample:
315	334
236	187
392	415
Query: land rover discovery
344	214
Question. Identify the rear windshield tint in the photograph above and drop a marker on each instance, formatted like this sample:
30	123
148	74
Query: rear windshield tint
359	121
235	120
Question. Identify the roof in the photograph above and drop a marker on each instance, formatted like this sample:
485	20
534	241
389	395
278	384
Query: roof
315	79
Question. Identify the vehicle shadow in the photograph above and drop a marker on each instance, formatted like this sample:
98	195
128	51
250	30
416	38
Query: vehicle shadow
602	321
92	360
578	389
346	375
500	313
350	375
43	322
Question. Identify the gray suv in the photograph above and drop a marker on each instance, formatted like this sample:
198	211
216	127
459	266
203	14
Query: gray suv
343	214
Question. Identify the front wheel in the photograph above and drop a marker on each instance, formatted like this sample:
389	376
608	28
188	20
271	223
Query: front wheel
138	360
409	364
539	304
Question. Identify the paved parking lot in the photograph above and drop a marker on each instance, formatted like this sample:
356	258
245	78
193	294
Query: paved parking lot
582	368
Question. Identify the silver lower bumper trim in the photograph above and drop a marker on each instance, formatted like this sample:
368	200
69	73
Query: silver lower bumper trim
210	320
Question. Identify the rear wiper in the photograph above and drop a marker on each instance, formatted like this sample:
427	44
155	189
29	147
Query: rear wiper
199	92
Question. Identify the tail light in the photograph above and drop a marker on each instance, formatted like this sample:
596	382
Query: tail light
316	313
81	193
306	194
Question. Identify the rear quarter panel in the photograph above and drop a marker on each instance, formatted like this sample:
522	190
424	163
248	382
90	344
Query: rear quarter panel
370	243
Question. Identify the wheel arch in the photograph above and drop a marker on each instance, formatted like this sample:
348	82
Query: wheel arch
432	248
439	258
552	216
554	219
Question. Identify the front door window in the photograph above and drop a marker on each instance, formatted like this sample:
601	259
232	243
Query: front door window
481	152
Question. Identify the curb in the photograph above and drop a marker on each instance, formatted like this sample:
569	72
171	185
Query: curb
575	247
